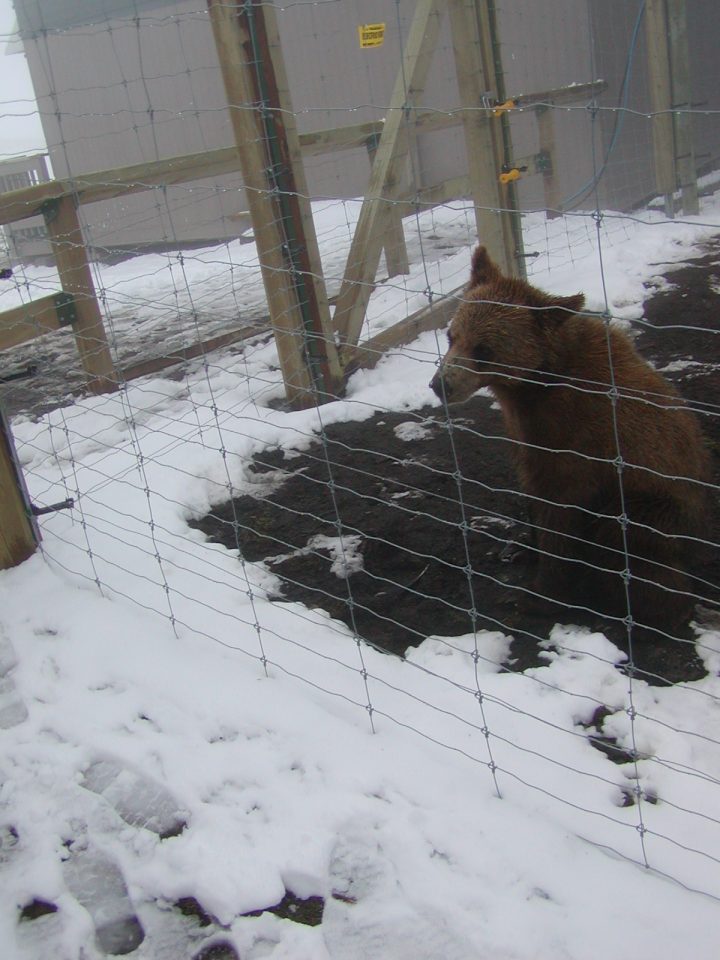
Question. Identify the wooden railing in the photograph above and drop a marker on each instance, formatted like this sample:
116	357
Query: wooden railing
76	304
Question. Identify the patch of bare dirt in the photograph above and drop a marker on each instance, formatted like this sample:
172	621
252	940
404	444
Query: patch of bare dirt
432	519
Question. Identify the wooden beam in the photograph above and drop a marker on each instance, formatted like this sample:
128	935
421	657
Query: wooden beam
367	354
394	246
19	535
573	93
658	64
68	243
30	320
433	196
366	245
681	97
246	36
304	251
18	205
488	54
483	140
337	139
145	368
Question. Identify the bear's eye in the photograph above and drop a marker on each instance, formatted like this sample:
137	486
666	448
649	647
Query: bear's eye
483	354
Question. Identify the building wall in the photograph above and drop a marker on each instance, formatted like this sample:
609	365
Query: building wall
629	178
130	81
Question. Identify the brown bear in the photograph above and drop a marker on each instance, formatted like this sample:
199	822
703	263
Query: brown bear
612	463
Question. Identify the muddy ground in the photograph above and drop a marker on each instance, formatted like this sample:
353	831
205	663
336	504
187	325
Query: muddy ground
435	554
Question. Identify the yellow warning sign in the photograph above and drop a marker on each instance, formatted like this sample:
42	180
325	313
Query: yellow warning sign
371	35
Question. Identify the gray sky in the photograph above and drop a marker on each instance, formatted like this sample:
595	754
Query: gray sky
20	129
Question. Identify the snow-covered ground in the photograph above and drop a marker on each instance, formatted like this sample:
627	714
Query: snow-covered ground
444	808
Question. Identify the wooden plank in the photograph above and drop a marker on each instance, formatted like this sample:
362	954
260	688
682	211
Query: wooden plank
230	41
18	205
28	321
681	96
237	63
68	245
107	185
155	364
483	140
573	93
394	246
433	196
367	354
396	255
658	65
337	139
19	535
294	202
366	245
489	57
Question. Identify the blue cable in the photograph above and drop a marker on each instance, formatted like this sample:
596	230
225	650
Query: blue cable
622	104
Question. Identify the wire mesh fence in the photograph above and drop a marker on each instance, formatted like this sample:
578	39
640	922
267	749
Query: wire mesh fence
545	556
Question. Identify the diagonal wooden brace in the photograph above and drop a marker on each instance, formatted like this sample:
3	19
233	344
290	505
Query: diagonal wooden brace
367	242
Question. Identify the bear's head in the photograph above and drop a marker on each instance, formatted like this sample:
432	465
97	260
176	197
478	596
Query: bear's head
502	334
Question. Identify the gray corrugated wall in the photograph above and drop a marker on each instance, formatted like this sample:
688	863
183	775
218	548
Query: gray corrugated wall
132	90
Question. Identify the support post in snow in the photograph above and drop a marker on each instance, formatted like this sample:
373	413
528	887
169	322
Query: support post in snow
266	138
70	252
669	78
19	534
487	138
681	104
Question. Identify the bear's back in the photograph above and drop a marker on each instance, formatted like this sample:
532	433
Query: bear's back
600	400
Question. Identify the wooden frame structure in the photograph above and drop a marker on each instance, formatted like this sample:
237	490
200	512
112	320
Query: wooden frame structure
316	353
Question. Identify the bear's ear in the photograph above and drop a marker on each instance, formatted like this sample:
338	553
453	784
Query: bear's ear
482	269
560	309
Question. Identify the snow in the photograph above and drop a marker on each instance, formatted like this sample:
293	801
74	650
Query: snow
455	810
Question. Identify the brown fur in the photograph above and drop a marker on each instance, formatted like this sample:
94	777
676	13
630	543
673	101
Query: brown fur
549	368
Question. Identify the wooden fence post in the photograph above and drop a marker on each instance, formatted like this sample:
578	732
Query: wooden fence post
19	534
494	74
367	241
268	146
658	63
681	96
473	33
669	77
83	313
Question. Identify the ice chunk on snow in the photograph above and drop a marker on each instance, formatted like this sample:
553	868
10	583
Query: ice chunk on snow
12	708
369	916
140	801
98	885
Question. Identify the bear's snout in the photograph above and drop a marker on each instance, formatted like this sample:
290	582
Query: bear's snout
440	386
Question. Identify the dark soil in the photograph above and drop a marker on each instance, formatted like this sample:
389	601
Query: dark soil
37	908
218	950
308	910
439	519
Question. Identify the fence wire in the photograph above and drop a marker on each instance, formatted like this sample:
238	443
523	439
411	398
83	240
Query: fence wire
389	519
